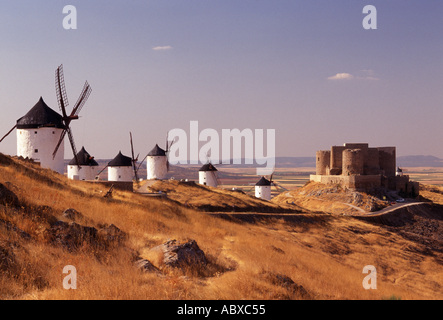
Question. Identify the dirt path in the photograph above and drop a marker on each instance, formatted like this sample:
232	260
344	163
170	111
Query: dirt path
394	207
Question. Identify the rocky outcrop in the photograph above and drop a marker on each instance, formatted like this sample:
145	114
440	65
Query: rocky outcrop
72	235
187	254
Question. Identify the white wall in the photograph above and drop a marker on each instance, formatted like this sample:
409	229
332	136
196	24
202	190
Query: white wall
120	173
85	173
263	192
156	167
208	178
39	144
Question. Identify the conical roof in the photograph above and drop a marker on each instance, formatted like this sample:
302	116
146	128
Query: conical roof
40	116
208	167
263	182
120	161
84	159
157	151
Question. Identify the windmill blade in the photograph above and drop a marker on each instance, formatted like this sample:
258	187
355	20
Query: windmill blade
84	95
138	168
277	186
102	170
9	132
168	149
216	177
62	136
74	149
60	88
133	158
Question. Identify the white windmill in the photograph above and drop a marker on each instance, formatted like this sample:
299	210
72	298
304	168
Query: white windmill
207	175
85	169
263	189
120	168
41	131
157	163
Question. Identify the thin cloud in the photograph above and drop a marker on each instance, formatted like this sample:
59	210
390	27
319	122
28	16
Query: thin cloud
162	48
363	75
341	76
368	74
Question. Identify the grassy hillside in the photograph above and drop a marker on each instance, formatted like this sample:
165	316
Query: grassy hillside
330	199
273	253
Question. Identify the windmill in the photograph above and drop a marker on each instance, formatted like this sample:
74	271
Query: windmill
208	174
134	159
158	161
62	100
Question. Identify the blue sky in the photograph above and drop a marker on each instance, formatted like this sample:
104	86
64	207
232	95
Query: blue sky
262	64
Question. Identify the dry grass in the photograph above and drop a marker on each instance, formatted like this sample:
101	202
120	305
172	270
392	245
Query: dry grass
330	198
322	255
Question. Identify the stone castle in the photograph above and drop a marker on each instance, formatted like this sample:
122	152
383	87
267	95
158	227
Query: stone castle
358	167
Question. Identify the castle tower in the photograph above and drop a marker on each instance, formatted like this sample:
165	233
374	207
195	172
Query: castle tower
157	163
207	175
322	163
120	168
38	133
353	162
263	189
88	167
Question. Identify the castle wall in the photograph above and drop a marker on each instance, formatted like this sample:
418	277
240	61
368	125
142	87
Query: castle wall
372	162
387	160
353	162
336	160
323	159
354	182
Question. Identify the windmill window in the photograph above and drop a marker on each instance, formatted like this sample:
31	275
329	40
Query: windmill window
35	132
53	132
36	150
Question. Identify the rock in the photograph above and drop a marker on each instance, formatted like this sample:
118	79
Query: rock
71	235
182	255
286	282
7	197
145	266
111	233
73	215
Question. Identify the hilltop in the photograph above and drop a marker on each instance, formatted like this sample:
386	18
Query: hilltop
123	246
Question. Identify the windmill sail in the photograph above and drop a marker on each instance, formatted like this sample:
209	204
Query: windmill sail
62	99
